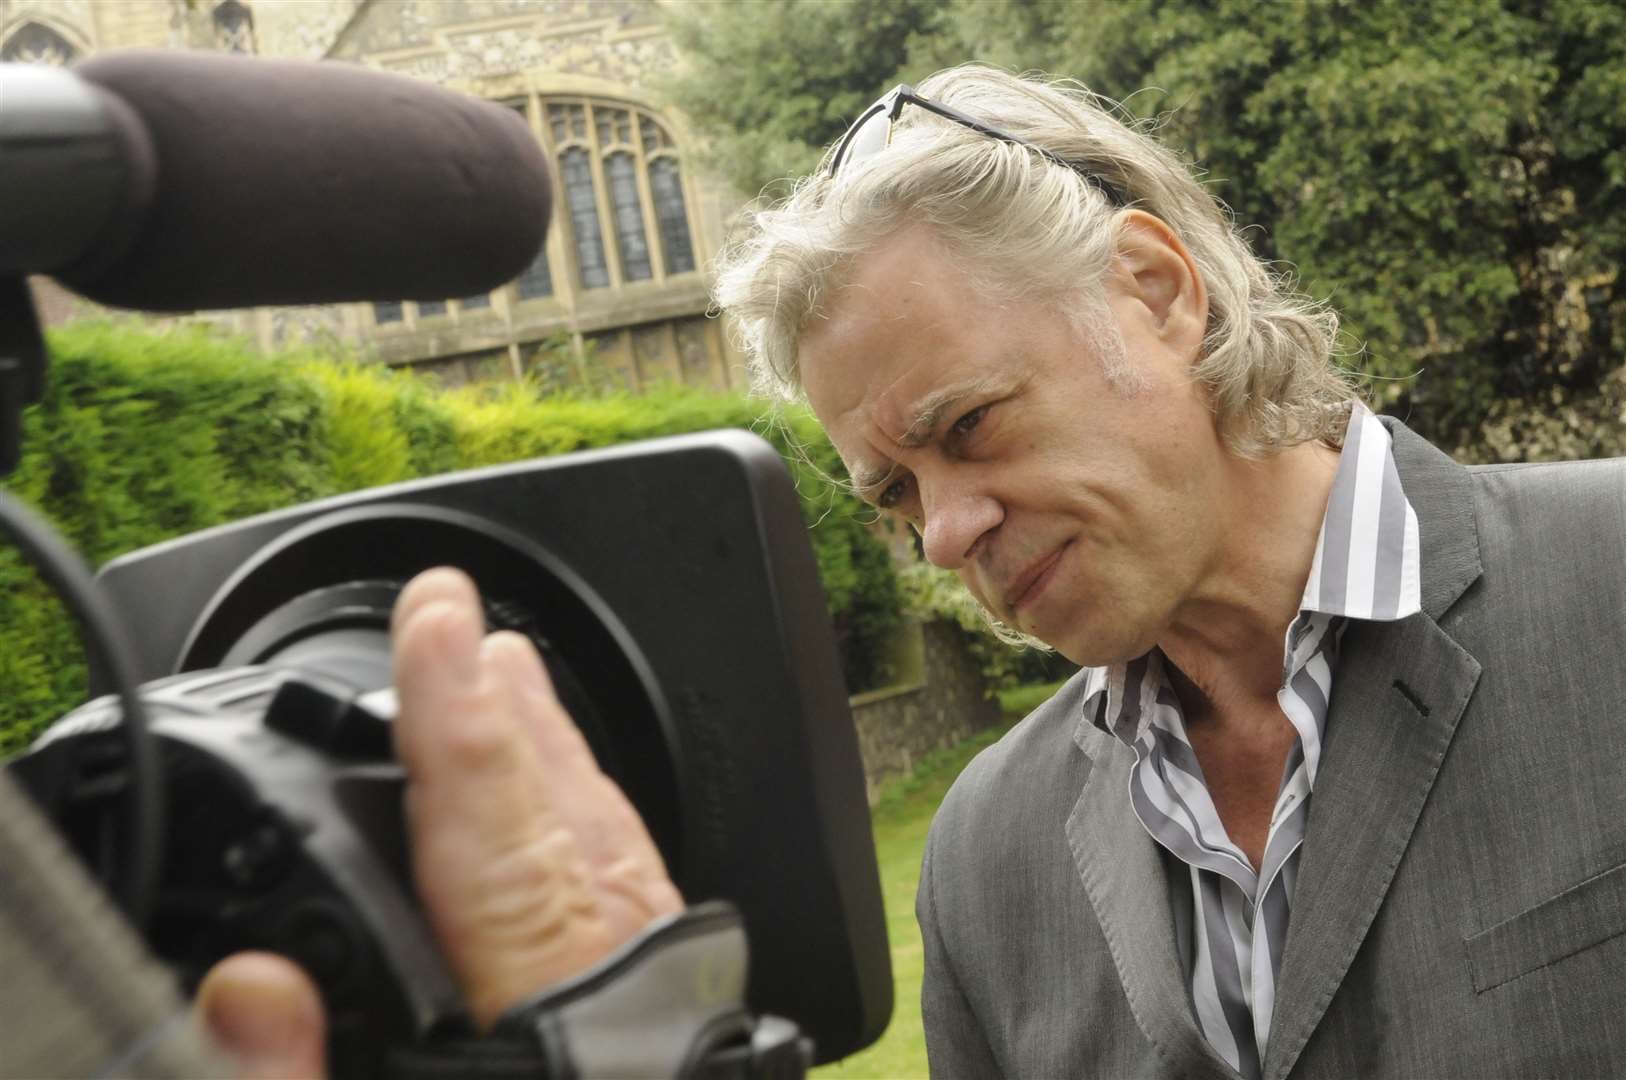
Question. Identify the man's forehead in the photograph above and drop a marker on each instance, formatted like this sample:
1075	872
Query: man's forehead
887	350
903	290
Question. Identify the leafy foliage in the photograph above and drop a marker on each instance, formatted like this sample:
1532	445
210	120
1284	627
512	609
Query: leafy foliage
772	82
1451	176
931	593
141	438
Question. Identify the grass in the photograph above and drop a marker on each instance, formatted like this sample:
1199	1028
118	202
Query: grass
900	819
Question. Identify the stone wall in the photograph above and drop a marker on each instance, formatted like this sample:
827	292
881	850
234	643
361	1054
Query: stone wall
945	704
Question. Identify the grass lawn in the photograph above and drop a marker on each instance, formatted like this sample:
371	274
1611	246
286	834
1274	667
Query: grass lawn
901	818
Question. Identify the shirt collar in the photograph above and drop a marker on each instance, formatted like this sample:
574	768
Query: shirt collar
1367	559
1367	562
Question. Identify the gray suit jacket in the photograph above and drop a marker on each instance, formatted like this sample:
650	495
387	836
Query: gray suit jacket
1461	901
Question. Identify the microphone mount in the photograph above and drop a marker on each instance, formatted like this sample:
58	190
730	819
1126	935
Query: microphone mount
22	366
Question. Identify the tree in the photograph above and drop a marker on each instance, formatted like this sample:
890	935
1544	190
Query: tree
1451	176
770	83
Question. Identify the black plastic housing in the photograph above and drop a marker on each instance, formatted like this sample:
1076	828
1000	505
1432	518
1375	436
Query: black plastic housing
673	579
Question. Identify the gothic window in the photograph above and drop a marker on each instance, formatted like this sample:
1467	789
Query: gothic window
388	312
575	166
428	309
666	189
474	303
234	27
618	173
537	280
36	44
629	216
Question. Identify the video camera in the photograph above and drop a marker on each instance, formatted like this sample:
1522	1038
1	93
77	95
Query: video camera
669	587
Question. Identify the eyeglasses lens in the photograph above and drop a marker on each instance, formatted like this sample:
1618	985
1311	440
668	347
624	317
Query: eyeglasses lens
870	137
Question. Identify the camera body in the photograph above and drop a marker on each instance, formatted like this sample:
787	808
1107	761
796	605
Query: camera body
671	591
283	833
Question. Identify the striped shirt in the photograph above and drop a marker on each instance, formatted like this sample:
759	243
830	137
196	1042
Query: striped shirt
1366	567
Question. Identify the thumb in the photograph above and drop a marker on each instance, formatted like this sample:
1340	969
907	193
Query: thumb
265	1012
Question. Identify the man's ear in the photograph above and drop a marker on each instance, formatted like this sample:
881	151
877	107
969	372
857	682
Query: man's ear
1152	268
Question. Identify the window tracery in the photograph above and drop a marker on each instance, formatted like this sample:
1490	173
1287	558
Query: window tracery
234	27
36	43
618	166
623	213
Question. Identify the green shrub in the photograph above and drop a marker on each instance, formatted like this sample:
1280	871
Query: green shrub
142	437
932	593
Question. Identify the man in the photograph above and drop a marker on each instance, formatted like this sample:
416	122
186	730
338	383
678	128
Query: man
1339	790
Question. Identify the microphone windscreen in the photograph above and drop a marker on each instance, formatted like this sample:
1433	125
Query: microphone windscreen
294	182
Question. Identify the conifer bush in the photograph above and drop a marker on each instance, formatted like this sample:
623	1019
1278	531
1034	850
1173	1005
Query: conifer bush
142	437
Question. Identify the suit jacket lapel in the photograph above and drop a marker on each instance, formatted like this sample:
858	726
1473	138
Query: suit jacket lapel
1128	886
1399	692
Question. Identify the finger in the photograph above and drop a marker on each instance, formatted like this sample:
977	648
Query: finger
437	668
457	733
627	869
530	863
265	1012
500	875
440	583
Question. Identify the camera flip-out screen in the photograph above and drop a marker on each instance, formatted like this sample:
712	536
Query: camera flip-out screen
672	592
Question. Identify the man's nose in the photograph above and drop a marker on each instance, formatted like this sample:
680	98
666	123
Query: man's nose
956	518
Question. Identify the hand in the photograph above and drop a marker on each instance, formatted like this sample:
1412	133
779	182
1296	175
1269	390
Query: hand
530	863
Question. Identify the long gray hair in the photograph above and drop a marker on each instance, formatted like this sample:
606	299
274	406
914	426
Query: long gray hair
1027	228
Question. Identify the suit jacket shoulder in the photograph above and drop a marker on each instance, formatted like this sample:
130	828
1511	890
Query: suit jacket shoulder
1461	903
1010	947
988	795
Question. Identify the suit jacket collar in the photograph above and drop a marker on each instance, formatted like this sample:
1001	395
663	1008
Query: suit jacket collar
1129	889
1400	691
1442	492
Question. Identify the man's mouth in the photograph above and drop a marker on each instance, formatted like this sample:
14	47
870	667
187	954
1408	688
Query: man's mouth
1027	586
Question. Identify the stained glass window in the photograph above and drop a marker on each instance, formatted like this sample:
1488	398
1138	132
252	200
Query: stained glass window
618	172
577	170
666	188
474	303
567	122
428	309
614	126
629	217
654	136
388	312
537	280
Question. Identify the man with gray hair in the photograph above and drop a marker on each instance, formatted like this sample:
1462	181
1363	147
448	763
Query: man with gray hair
1338	791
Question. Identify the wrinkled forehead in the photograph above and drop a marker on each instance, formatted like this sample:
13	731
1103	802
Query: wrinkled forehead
886	303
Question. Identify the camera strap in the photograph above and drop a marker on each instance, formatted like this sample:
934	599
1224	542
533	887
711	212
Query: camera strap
669	1003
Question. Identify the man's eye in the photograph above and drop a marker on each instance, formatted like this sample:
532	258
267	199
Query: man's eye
967	423
892	494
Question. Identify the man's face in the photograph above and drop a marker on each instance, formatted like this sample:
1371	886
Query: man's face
1073	508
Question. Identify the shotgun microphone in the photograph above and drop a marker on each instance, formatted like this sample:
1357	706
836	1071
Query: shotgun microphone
175	181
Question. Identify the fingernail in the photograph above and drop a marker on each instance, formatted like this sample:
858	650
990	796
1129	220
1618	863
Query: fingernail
259	1011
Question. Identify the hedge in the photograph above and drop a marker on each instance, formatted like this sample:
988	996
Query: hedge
143	437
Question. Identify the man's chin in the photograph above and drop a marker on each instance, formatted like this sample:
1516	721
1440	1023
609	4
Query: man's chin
1091	650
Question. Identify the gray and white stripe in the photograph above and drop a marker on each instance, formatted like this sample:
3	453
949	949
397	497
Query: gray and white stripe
1366	567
